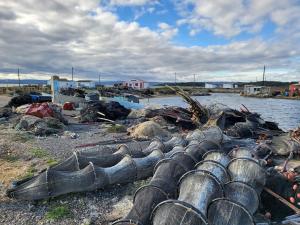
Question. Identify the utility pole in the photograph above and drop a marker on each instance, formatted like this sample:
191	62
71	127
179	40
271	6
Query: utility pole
72	74
19	77
194	81
99	79
264	75
175	79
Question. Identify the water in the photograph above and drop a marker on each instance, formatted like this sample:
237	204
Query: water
282	111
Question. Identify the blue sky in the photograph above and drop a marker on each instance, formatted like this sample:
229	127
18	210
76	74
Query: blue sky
150	39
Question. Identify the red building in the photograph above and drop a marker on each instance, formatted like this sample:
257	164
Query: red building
295	89
136	84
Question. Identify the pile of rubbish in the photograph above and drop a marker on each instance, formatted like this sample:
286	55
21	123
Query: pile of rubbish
72	92
24	99
41	119
96	111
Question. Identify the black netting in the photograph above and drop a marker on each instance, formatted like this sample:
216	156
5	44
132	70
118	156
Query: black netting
215	168
199	188
217	156
248	171
174	212
243	194
224	211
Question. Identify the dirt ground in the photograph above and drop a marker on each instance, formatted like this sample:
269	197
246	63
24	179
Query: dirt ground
4	99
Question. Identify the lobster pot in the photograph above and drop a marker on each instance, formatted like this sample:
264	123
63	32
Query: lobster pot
217	156
53	183
199	188
243	194
217	169
177	140
145	166
174	212
126	222
163	185
145	199
197	149
101	157
213	133
177	148
248	171
126	150
156	143
240	153
224	212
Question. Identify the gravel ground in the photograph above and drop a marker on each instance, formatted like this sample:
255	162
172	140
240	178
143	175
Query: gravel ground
17	158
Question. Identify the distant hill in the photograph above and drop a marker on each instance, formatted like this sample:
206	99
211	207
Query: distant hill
24	81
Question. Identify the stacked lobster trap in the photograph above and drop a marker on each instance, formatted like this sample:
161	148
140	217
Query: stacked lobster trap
194	181
200	185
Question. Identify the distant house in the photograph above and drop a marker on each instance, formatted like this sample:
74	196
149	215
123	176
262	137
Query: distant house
62	83
211	85
136	84
86	84
294	89
228	85
257	90
220	85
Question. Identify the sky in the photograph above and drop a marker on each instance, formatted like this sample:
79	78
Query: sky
216	40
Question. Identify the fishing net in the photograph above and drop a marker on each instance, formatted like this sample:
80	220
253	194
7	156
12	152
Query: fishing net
217	156
224	211
215	168
174	212
243	194
248	171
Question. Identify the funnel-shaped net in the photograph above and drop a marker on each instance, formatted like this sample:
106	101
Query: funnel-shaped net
248	171
199	188
224	211
215	168
240	152
175	212
243	194
217	156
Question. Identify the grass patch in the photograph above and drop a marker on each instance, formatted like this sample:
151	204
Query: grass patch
116	128
52	162
11	158
29	173
58	212
21	137
39	153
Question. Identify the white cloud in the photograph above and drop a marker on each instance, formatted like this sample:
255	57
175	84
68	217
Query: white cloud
50	37
231	17
131	2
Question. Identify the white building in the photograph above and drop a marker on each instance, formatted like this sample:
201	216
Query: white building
256	90
62	83
86	84
136	84
228	85
210	85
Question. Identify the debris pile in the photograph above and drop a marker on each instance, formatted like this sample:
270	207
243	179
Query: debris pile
41	119
101	111
148	129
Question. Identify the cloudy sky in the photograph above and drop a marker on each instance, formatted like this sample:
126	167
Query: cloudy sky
150	39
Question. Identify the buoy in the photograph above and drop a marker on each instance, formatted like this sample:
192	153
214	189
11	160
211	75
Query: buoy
292	200
268	215
295	186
